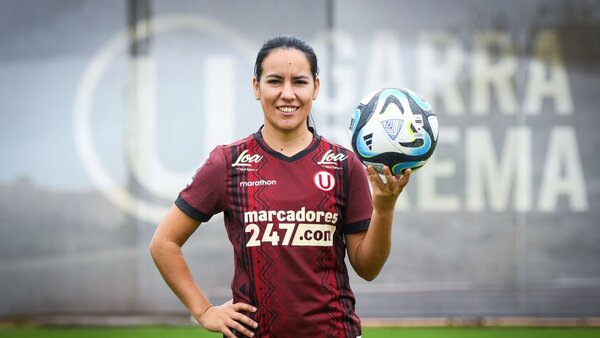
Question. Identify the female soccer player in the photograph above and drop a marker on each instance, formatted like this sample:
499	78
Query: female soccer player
294	205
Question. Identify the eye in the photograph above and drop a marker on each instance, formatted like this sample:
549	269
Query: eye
273	81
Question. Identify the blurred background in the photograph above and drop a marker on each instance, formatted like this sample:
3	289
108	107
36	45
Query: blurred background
107	108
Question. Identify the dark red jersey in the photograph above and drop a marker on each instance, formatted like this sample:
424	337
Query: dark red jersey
286	218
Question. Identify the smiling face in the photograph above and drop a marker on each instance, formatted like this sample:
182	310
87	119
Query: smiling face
286	89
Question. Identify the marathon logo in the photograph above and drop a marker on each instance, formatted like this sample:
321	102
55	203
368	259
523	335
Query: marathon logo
259	183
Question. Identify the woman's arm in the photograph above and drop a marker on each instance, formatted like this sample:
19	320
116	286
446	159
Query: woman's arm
368	250
165	249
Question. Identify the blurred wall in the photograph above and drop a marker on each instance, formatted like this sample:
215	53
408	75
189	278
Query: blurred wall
108	107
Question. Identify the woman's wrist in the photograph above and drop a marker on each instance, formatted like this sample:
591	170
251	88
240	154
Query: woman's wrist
386	211
201	311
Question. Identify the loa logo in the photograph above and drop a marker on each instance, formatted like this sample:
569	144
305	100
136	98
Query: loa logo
324	181
330	157
245	160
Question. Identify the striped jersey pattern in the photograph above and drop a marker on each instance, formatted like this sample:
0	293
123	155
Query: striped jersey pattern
286	218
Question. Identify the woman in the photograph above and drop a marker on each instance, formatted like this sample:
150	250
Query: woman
294	204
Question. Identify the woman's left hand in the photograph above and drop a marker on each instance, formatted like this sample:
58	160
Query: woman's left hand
386	193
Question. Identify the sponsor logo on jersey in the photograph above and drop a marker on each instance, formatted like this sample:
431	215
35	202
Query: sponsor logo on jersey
258	183
246	160
324	180
314	235
302	215
290	227
332	160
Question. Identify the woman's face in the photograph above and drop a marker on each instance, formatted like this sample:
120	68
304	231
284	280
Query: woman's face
286	90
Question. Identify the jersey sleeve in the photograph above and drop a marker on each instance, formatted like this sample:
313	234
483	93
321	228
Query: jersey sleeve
359	207
206	196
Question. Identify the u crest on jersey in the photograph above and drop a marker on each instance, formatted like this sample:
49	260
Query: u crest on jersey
324	180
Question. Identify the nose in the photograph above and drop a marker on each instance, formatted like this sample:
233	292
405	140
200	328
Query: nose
287	91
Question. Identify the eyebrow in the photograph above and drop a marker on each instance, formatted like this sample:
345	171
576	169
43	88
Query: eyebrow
298	77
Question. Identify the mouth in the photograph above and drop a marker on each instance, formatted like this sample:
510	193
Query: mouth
287	109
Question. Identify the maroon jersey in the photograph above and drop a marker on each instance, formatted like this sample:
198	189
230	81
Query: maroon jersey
286	218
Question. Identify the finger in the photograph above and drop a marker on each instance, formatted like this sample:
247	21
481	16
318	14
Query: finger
371	170
227	333
245	319
244	307
374	178
240	328
405	177
389	178
402	180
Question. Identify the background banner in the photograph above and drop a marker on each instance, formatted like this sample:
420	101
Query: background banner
107	108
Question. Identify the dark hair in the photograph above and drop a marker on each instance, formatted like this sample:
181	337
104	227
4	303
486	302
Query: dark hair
286	42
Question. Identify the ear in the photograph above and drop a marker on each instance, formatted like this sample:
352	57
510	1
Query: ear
256	88
317	86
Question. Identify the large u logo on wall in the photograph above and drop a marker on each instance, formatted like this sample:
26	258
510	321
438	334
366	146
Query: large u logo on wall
152	179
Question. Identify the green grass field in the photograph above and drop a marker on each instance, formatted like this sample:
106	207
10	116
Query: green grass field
185	332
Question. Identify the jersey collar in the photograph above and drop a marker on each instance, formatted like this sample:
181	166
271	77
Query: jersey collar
261	142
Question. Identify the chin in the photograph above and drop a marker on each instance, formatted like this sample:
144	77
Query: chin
291	126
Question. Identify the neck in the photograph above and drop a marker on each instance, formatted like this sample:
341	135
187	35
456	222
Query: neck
288	143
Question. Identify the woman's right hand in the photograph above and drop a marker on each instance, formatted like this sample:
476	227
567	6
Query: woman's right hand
228	316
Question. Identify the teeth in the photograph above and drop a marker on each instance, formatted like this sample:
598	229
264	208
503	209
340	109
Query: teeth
287	109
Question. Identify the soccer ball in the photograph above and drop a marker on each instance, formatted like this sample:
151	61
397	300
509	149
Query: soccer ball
393	127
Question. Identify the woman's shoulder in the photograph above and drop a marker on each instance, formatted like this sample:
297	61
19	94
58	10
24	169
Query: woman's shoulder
226	152
236	143
337	147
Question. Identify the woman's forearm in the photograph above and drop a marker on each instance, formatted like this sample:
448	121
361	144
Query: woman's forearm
174	269
368	251
374	248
